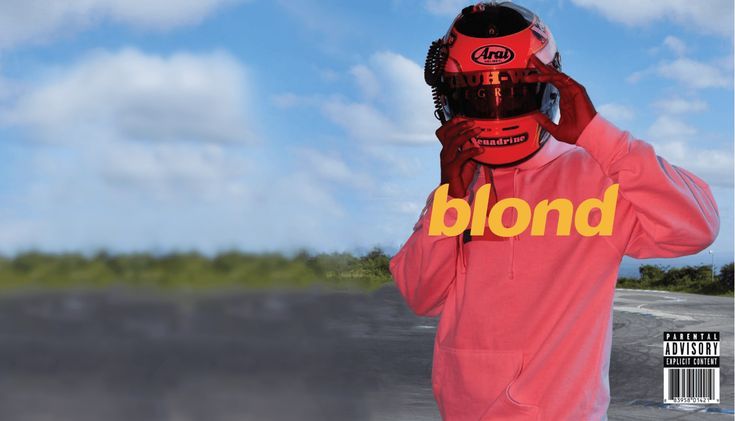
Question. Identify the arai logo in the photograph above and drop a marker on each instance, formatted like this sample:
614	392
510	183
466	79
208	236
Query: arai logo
492	55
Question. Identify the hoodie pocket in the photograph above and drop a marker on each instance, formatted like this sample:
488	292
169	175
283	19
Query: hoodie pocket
472	385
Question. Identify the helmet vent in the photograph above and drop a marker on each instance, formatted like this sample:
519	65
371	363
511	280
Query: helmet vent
491	22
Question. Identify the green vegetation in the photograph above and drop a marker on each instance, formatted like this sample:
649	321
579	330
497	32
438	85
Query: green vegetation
195	271
342	271
694	279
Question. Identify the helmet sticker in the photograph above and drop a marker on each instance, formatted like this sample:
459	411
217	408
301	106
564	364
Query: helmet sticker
502	141
487	77
539	31
491	55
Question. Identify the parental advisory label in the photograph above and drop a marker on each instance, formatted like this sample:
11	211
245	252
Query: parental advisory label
692	367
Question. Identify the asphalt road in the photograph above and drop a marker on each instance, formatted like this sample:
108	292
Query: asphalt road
125	355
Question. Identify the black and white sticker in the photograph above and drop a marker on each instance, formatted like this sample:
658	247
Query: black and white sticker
691	367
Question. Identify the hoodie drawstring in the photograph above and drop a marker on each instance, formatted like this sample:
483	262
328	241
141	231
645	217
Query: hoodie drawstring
516	237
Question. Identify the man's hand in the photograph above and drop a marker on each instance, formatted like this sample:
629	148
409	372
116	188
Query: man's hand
575	106
458	149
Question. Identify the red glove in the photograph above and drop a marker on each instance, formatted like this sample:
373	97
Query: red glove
458	149
575	106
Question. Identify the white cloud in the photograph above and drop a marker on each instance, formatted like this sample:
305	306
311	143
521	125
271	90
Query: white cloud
690	73
37	20
675	44
333	168
384	117
152	146
171	197
616	112
130	95
680	105
668	127
125	195
694	73
672	139
133	151
170	172
712	16
396	107
367	81
714	166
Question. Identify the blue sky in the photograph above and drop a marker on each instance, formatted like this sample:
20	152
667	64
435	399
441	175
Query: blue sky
213	124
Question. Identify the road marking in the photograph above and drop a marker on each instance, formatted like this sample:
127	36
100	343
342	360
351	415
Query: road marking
655	313
645	290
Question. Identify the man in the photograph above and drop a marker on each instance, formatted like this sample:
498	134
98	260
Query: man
526	321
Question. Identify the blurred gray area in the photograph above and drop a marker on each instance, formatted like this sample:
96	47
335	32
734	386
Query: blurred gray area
120	354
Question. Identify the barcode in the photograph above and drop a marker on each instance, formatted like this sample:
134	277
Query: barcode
691	385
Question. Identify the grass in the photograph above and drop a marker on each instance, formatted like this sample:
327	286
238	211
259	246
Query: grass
35	270
235	269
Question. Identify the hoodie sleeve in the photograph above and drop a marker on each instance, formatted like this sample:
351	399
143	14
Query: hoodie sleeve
426	267
672	212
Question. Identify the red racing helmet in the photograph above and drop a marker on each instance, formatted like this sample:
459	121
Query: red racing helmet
476	71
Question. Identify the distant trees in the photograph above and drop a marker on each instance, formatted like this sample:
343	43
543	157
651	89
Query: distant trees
192	270
725	277
695	279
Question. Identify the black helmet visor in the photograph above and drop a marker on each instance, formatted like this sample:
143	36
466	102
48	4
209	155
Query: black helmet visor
497	94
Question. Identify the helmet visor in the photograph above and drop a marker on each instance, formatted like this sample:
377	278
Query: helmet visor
497	94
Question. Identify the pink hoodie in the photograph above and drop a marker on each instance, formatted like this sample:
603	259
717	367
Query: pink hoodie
526	324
